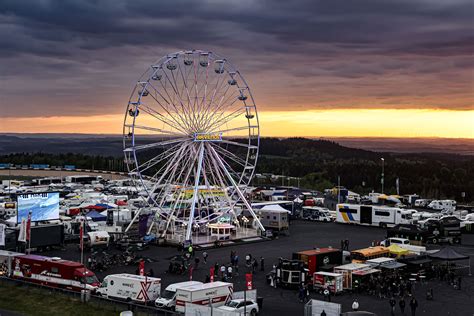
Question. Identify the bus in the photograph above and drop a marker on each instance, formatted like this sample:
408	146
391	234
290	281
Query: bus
362	255
82	179
372	215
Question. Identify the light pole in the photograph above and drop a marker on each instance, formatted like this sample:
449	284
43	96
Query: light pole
383	165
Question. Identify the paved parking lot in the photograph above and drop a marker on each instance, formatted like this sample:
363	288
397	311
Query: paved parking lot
304	236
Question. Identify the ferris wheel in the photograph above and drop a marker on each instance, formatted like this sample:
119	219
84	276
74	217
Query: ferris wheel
191	139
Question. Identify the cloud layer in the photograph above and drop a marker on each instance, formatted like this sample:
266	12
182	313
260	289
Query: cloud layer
83	57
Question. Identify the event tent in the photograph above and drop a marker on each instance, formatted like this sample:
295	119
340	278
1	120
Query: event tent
397	250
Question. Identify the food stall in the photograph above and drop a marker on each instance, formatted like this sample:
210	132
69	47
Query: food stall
347	270
331	281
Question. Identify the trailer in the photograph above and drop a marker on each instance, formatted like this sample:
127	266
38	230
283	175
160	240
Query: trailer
319	259
6	262
372	215
130	287
214	293
328	280
53	272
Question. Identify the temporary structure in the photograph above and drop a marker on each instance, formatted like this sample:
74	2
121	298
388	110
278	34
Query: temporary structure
398	251
448	254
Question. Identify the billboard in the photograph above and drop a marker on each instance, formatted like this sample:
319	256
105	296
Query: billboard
43	206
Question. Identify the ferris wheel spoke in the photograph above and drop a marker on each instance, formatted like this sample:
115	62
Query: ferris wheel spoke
183	121
231	156
185	87
157	144
221	109
157	159
173	123
210	113
154	129
206	110
220	121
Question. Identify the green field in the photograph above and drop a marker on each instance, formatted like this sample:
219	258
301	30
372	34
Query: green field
27	300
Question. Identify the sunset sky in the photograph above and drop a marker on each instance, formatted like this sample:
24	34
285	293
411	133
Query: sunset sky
316	68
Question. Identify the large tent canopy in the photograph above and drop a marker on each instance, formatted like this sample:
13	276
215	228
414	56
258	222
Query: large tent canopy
448	254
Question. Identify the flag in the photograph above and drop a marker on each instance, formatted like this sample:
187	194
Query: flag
28	227
81	235
248	281
22	234
2	234
141	267
212	271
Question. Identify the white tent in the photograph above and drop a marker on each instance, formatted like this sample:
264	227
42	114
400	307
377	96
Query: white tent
274	208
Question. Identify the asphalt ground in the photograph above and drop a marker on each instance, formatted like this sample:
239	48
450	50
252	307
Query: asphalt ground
303	236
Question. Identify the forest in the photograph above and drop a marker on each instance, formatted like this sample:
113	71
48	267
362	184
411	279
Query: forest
318	164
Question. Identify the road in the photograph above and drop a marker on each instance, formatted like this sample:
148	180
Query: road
304	236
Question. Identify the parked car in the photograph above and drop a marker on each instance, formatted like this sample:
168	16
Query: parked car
239	306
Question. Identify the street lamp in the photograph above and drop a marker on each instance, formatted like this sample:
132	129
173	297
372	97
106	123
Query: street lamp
382	180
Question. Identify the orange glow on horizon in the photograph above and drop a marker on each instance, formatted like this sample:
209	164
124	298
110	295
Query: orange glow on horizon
327	123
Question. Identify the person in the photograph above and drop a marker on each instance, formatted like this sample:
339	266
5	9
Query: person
343	245
413	305
459	282
323	313
255	266
392	303
355	305
229	271
301	293
402	305
151	273
223	270
208	279
196	263
346	243
191	251
216	269
262	264
327	295
204	257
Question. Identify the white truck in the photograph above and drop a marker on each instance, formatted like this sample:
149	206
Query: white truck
403	243
214	293
130	287
168	297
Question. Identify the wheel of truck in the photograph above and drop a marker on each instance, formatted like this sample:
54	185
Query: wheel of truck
253	312
99	294
129	299
434	241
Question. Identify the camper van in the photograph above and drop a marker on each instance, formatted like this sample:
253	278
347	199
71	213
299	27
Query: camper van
443	205
372	215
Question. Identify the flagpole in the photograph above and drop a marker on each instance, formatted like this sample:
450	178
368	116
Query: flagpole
81	242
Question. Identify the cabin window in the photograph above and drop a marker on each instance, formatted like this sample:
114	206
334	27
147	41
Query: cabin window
382	213
274	217
347	210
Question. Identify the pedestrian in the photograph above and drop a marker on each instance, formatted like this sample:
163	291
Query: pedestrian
346	243
301	293
204	257
229	272
223	270
459	282
151	273
402	305
191	251
262	264
196	263
327	295
343	245
413	305
254	266
355	305
216	269
392	303
208	279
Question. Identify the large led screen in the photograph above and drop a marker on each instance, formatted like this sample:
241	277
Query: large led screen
43	206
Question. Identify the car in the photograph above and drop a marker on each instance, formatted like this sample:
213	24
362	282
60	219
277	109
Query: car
241	305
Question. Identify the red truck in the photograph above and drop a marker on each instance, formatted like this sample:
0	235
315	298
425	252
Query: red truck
53	272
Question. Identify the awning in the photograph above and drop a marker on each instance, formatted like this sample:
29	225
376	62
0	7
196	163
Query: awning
393	265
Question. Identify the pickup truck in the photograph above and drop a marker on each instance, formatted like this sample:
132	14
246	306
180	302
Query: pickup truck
403	243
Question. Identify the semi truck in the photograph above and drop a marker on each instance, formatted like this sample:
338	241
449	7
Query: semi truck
53	272
130	287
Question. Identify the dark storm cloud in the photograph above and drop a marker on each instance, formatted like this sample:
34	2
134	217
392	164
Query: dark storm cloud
52	49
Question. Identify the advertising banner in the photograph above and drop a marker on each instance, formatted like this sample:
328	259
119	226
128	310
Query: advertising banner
248	281
43	206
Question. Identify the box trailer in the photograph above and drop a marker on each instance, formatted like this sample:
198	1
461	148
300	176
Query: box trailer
214	293
167	298
130	287
319	259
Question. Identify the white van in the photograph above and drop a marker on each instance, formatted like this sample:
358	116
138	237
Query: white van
446	205
168	297
130	287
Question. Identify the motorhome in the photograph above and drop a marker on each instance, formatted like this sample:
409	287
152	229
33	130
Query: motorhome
130	287
372	215
316	213
440	205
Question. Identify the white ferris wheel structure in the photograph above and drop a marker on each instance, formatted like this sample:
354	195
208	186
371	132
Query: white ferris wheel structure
191	140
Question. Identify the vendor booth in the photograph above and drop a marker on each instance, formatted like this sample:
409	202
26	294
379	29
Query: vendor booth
331	281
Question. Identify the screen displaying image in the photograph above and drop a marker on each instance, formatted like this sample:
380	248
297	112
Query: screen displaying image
43	206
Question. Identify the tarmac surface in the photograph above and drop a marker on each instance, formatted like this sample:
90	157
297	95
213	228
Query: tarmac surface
303	236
